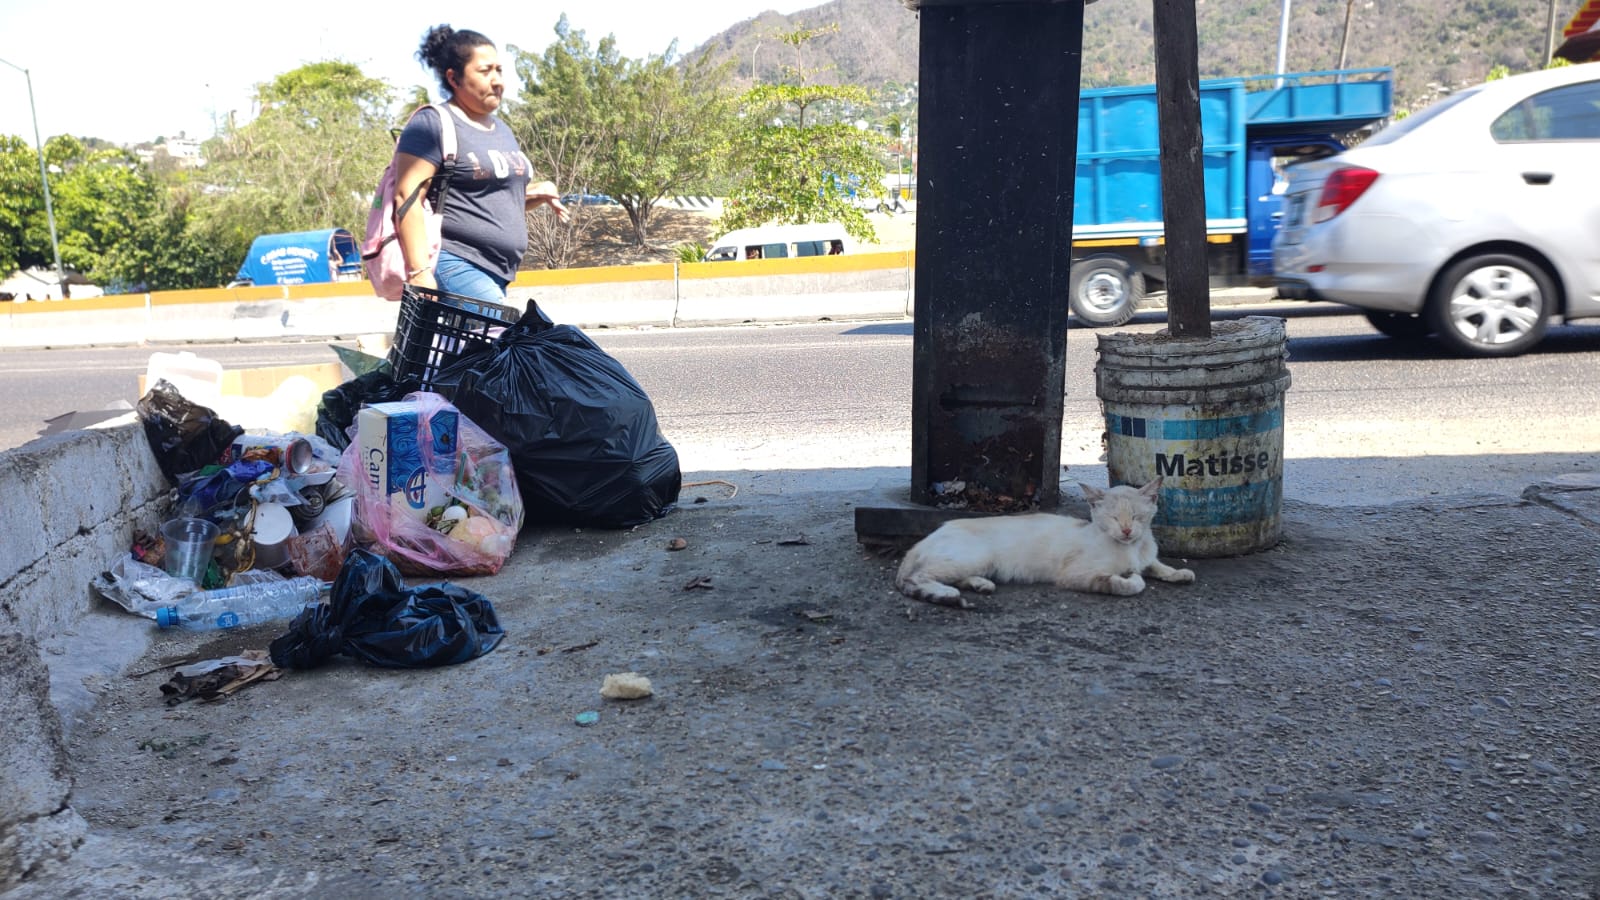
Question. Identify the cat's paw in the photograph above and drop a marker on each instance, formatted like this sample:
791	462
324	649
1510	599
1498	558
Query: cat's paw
979	584
1127	586
1180	576
937	594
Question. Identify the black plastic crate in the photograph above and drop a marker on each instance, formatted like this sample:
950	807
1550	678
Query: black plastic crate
436	329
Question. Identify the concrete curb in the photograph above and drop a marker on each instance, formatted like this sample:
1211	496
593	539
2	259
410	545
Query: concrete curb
86	492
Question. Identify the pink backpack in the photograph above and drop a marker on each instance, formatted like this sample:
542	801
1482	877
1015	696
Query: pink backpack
386	265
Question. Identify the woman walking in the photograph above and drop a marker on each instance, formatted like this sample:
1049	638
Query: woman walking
484	232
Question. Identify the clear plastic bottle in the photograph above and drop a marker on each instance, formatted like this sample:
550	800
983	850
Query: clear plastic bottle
242	605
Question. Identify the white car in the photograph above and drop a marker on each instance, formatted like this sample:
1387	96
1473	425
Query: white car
1476	220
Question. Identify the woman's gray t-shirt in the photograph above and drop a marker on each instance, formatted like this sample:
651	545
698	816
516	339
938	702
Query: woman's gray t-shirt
484	209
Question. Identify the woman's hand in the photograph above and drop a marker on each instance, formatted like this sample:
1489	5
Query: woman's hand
545	192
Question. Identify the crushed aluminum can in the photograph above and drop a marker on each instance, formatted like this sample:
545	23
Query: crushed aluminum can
291	454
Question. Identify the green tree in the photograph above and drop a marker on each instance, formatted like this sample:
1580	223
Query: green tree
21	198
169	249
99	194
100	197
799	156
636	130
675	118
309	160
565	114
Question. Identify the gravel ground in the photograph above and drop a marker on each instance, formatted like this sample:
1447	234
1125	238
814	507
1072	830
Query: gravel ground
1394	701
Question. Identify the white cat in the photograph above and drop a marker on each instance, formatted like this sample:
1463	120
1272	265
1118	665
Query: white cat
1108	554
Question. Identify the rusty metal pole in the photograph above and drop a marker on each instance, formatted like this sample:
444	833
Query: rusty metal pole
1183	186
999	123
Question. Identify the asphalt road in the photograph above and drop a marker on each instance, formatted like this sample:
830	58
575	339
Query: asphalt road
1369	419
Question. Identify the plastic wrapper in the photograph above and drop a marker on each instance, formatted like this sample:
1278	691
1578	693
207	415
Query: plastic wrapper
372	615
183	435
317	552
140	588
582	433
470	531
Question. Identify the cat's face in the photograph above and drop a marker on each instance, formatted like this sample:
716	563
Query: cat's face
1123	512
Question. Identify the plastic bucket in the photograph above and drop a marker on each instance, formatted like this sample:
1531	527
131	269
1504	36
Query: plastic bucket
189	543
1207	417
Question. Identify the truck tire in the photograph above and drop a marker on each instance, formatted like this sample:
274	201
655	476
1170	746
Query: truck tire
1493	304
1105	290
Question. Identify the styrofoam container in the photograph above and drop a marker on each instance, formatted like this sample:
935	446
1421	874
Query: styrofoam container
271	532
198	379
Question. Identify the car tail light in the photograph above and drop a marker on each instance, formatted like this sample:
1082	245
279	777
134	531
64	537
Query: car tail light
1341	189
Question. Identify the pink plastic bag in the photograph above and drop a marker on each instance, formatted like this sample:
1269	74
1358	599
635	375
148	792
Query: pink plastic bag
434	493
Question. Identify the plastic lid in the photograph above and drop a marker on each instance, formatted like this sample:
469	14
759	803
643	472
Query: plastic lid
167	617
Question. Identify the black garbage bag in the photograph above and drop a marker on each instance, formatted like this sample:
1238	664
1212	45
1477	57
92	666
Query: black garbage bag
372	615
184	435
582	433
337	411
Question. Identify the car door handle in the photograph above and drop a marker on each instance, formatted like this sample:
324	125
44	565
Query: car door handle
1538	177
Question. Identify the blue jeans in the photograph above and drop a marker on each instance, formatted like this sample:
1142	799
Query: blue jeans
457	276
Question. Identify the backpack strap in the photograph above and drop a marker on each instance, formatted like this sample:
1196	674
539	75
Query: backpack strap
447	162
447	165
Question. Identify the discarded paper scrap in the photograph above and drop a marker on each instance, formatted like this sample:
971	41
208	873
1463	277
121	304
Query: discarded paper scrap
625	686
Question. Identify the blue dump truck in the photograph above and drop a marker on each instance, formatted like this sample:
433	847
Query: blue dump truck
301	257
1252	129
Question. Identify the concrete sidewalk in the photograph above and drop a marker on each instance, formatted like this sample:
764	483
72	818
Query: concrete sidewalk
1398	700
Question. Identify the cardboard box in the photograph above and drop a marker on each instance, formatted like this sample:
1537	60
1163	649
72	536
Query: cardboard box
407	461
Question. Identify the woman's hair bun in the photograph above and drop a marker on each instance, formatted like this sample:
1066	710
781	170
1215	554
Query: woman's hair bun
432	51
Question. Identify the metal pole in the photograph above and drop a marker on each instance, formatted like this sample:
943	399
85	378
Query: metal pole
1344	42
44	177
1283	41
1550	35
1183	179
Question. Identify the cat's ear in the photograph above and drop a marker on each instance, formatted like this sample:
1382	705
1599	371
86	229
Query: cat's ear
1091	494
1153	489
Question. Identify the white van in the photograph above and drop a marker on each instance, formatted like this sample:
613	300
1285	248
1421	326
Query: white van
779	242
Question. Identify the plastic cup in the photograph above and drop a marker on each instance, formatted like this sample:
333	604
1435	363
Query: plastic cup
189	544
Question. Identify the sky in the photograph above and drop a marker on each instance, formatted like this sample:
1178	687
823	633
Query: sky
130	72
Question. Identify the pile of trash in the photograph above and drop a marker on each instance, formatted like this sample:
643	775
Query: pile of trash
396	477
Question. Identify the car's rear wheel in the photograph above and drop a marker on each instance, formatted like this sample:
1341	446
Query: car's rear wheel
1401	326
1496	304
1105	290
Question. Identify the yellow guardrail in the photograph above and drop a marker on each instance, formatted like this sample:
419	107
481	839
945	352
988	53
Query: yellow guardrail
109	303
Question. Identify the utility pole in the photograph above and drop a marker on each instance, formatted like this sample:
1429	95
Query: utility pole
1283	42
44	177
1550	34
1344	42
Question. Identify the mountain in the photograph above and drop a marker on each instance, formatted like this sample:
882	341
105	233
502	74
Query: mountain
1433	45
